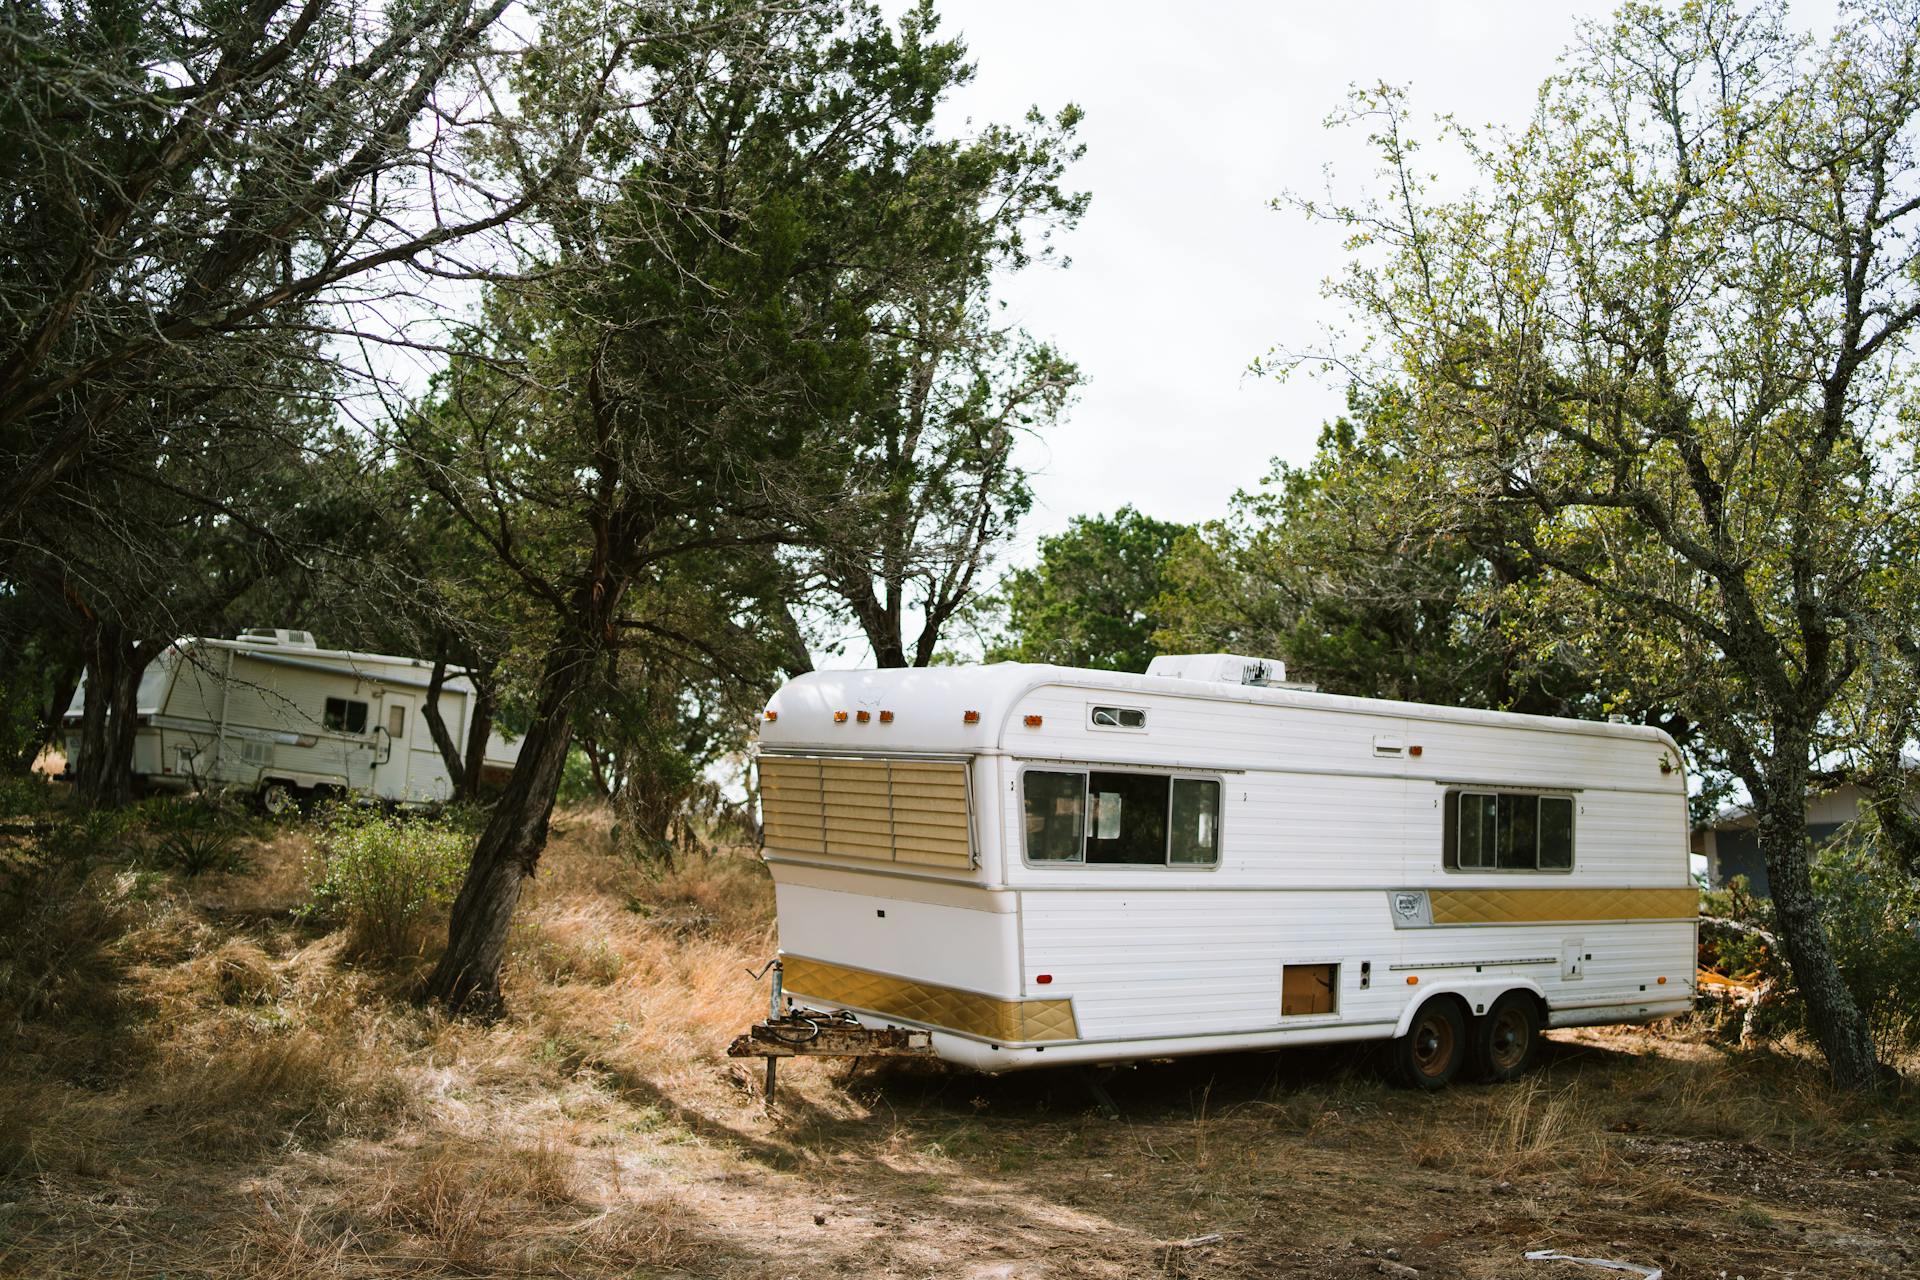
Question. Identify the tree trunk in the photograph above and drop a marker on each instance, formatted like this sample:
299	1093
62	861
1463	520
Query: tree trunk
479	729
437	723
468	975
1832	1015
104	778
55	713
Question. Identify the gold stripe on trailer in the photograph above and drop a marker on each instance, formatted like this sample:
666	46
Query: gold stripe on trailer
1553	906
969	1012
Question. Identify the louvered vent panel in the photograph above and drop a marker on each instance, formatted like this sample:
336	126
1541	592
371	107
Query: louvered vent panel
930	814
877	810
790	803
859	817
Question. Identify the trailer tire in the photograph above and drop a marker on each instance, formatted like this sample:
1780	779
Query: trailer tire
278	800
1506	1041
1434	1048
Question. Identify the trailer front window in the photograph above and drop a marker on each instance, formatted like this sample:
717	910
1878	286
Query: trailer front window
1055	802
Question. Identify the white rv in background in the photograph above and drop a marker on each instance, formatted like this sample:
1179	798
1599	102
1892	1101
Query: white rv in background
270	712
1045	865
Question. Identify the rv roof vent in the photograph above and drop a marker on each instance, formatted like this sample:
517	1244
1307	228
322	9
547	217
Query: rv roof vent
1227	668
278	635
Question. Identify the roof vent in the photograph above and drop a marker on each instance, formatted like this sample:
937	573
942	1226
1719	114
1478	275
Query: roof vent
1225	668
277	636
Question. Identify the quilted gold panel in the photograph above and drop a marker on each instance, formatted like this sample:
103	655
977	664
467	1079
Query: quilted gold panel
988	1017
1546	906
912	811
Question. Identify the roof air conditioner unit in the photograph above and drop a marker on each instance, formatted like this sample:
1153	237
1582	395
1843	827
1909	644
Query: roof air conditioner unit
1224	668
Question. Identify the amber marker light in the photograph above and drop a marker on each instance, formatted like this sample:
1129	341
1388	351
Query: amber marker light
863	716
839	717
1661	981
1033	722
772	716
1413	751
1413	979
971	717
886	717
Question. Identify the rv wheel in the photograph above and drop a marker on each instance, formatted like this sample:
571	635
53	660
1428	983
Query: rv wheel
277	799
1434	1048
1507	1038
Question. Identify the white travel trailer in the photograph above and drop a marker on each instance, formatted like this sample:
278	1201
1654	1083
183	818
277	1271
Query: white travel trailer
270	712
1045	865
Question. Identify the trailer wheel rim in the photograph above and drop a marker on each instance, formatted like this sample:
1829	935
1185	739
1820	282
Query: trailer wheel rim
276	799
1432	1045
1507	1038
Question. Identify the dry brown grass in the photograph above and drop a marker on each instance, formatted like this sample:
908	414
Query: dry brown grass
219	1090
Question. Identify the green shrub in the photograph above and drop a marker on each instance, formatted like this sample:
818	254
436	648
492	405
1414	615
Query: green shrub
25	795
383	876
195	852
1872	913
193	834
1871	910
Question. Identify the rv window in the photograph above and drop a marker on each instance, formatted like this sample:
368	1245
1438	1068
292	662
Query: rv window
1556	833
1509	831
397	723
1054	807
1135	819
1196	823
1519	842
1119	718
1129	818
1476	829
345	715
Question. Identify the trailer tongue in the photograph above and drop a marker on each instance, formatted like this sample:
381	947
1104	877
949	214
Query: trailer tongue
802	1033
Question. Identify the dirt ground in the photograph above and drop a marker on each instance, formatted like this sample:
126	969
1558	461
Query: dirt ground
218	1089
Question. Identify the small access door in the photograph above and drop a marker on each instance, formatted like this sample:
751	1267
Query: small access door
428	781
412	770
398	710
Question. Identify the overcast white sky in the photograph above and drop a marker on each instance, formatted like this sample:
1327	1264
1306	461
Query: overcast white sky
1197	116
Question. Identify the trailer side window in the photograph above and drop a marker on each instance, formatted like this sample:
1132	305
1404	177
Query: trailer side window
1556	833
1129	819
1054	805
1127	822
1474	847
1196	823
1118	718
345	715
1508	831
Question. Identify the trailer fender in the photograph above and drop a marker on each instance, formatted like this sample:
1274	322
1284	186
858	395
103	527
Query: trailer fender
1479	993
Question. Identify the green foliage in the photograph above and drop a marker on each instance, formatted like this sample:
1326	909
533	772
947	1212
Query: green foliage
1663	344
1093	599
576	779
1870	910
1872	913
192	834
196	852
1331	568
24	795
384	876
